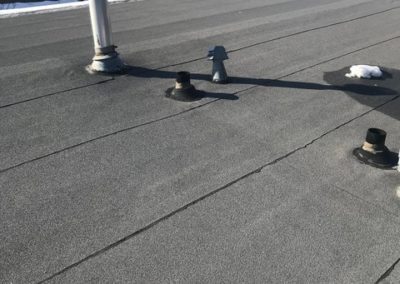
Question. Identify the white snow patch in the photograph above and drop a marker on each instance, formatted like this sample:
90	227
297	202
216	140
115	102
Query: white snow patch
364	71
50	8
17	5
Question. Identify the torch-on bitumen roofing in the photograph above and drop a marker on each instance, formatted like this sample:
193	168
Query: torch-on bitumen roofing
104	180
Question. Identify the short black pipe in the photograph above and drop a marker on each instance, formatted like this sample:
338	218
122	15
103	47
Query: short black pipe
183	90
374	152
376	136
183	77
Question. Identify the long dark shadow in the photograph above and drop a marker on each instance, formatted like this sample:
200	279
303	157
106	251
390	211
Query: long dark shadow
357	88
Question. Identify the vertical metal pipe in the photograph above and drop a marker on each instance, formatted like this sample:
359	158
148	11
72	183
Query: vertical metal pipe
106	59
100	26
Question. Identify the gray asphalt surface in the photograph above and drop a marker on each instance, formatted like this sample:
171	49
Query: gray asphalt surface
104	180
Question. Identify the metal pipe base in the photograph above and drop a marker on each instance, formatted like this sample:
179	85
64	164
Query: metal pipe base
109	63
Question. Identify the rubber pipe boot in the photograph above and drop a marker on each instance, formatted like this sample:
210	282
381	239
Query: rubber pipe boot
374	152
183	90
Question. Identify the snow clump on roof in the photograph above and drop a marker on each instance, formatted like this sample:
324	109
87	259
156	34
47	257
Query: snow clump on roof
364	71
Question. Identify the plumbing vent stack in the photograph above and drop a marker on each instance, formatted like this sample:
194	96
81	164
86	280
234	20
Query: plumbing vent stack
106	59
218	54
183	90
373	152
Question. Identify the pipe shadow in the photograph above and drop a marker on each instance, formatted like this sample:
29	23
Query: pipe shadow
354	88
357	88
221	96
141	72
369	92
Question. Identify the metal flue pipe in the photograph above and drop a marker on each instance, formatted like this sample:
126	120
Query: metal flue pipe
106	59
101	27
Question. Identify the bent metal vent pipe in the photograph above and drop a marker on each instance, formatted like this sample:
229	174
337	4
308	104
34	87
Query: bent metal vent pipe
106	59
217	54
